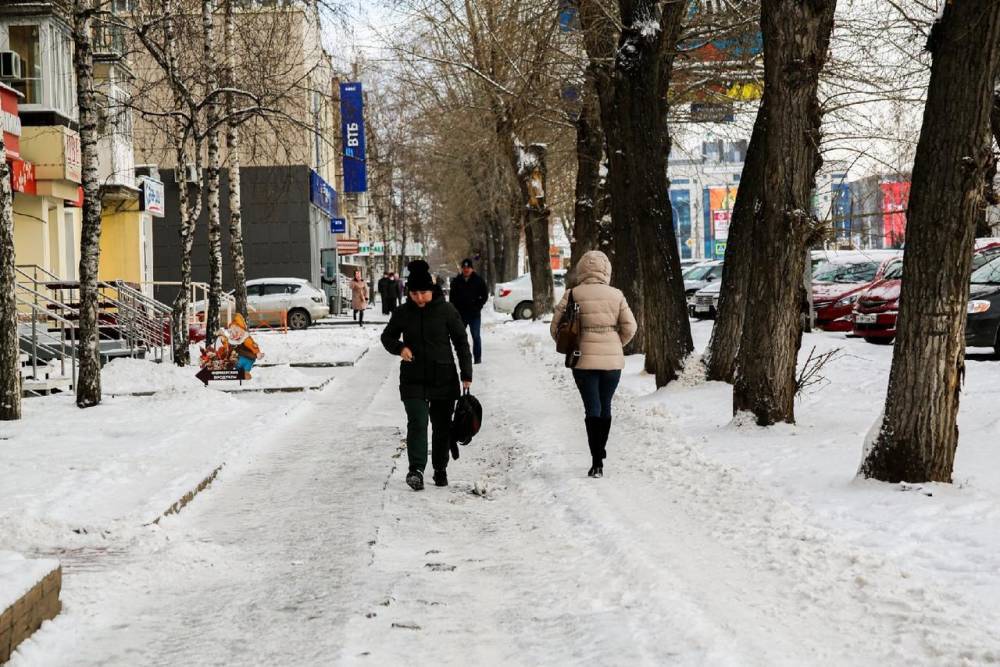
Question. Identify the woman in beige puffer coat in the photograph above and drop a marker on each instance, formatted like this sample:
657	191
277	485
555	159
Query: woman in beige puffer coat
359	297
606	326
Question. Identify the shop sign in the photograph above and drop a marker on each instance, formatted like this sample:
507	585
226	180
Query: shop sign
353	137
348	247
720	220
73	156
322	195
338	225
22	177
11	121
152	199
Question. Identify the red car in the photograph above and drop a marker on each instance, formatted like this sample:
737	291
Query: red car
837	286
877	307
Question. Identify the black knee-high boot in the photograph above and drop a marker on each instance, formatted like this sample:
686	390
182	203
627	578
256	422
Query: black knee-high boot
604	430
594	442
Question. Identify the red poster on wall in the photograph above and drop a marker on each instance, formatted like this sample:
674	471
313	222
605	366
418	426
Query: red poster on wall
10	121
895	199
22	177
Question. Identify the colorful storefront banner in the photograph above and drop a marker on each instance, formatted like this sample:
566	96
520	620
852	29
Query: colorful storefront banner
895	198
10	120
718	212
353	136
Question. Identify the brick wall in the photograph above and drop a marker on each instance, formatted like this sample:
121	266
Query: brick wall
21	619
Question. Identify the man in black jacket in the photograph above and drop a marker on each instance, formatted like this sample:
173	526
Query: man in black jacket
469	294
429	385
387	290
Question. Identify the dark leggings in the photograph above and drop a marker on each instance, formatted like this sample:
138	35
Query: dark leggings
359	315
597	388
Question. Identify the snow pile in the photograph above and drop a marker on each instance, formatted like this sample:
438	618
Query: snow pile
330	345
131	376
19	575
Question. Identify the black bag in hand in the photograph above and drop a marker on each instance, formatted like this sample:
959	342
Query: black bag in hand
568	332
466	422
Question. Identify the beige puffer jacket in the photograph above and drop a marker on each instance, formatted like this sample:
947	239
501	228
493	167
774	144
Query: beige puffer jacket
607	323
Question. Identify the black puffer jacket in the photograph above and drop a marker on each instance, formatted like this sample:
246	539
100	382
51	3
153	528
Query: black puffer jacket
430	333
469	296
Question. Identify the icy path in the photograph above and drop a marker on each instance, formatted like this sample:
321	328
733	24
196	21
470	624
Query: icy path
314	552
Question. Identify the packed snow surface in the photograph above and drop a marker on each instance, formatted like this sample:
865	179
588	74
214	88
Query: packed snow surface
18	575
711	541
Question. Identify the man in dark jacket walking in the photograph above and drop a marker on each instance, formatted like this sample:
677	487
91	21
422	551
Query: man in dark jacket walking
429	384
385	284
469	294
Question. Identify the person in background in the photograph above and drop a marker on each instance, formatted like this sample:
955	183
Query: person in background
429	385
359	297
606	326
468	293
387	292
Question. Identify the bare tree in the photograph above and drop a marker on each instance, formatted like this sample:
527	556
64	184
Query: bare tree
918	434
796	41
10	365
210	65
632	58
88	384
236	254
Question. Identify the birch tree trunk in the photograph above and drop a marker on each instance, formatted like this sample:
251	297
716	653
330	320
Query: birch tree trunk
236	256
10	349
720	357
796	42
210	64
531	172
88	386
918	435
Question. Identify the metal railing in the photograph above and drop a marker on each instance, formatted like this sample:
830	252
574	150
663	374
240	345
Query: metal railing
130	323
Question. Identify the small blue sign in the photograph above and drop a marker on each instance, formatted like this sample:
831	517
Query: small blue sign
322	194
338	225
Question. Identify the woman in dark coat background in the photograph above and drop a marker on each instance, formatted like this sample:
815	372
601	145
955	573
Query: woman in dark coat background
429	384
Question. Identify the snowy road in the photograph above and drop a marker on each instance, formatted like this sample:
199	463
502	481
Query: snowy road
311	551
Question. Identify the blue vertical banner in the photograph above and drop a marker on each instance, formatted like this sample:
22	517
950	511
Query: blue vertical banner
352	122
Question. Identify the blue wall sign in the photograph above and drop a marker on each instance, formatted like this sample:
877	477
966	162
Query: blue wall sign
152	199
353	134
322	194
338	226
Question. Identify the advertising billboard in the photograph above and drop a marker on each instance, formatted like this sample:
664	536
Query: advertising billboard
895	198
352	122
718	212
680	201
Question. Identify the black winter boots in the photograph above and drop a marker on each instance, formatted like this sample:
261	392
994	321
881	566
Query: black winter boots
440	478
598	429
415	479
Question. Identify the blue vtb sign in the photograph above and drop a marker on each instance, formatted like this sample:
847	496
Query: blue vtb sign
338	225
322	194
353	134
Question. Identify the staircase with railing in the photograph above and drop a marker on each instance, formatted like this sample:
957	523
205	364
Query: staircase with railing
130	324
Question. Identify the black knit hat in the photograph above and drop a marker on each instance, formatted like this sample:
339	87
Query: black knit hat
420	277
467	263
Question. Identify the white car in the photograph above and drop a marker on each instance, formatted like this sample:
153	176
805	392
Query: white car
274	301
704	304
514	297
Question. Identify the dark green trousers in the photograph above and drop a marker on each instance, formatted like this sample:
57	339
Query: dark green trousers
418	412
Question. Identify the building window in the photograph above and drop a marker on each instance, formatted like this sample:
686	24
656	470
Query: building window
25	41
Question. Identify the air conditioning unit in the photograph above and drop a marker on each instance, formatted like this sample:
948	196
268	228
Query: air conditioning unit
191	173
10	65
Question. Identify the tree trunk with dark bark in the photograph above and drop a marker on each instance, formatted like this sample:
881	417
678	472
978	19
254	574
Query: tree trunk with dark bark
796	42
531	173
632	71
589	151
236	255
720	357
88	384
10	350
918	435
212	320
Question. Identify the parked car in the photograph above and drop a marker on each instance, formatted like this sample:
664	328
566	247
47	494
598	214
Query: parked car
699	276
515	297
705	302
874	316
838	283
273	300
982	326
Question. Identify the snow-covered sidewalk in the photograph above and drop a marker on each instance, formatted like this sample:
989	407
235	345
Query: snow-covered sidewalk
707	542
